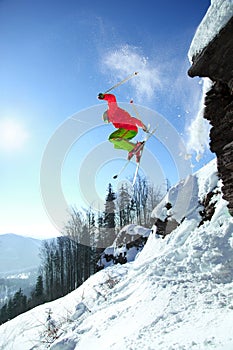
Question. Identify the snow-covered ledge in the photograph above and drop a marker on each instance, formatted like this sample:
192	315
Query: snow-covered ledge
216	18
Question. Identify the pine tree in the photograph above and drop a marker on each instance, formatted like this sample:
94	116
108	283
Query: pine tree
109	217
39	290
10	309
3	314
124	201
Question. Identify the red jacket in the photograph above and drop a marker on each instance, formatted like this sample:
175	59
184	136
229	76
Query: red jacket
118	116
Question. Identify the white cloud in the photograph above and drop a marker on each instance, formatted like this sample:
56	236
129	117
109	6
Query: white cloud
125	61
198	130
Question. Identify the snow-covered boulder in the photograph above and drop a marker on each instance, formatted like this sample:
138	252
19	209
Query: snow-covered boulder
128	243
191	198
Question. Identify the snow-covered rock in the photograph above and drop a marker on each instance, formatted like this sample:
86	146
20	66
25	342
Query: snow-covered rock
186	200
176	295
218	14
128	243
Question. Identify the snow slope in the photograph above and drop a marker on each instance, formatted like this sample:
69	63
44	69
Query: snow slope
176	295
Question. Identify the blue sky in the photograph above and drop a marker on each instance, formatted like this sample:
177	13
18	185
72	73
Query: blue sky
55	57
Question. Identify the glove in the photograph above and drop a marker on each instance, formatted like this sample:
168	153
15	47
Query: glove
105	117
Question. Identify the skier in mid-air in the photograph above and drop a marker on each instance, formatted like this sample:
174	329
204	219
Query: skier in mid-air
127	127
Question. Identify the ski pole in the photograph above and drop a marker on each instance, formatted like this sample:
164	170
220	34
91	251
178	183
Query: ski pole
135	110
122	169
121	82
138	115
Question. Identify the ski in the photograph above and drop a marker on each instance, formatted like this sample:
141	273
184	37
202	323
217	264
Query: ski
136	173
149	134
142	148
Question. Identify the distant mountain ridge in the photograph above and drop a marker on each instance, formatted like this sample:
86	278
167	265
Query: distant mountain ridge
18	253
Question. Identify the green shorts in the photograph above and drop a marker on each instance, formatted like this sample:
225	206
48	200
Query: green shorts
120	139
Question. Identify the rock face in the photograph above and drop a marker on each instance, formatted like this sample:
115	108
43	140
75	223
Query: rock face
216	62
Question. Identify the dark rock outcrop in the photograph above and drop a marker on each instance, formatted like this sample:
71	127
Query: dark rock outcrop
208	204
166	226
215	62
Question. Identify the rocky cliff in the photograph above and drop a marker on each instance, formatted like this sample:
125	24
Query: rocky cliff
216	62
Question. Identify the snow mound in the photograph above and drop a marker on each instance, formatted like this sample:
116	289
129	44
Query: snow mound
217	16
176	295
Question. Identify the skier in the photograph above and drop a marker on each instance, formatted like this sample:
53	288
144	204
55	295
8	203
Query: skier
127	127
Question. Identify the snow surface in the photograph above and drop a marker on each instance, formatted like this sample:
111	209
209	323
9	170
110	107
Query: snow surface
176	295
217	16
